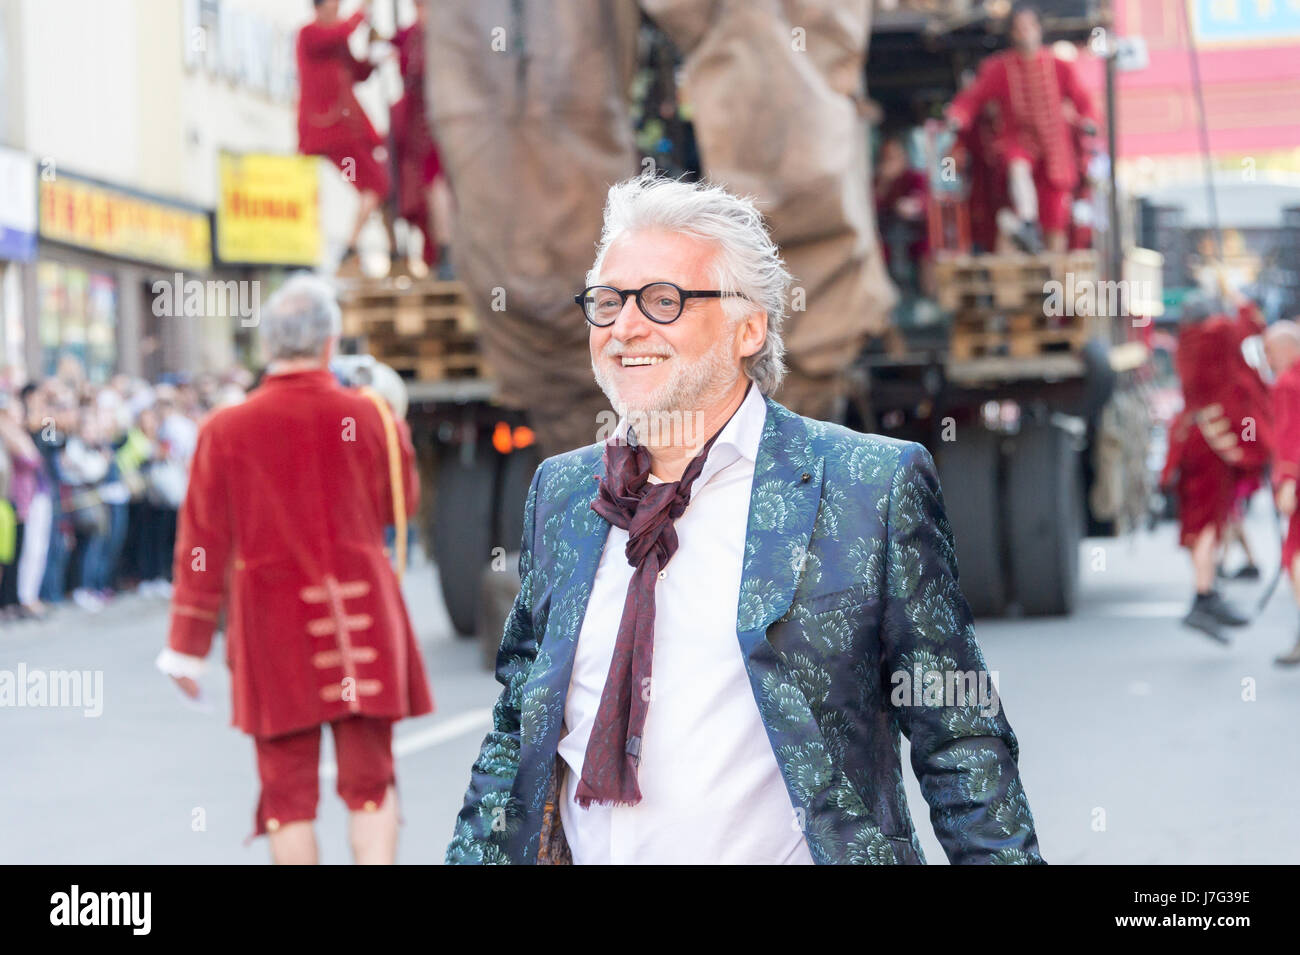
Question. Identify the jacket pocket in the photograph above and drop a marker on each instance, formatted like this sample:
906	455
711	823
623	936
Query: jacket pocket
846	599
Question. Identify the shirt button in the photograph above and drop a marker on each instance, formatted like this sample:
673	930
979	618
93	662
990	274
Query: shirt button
663	575
370	805
272	825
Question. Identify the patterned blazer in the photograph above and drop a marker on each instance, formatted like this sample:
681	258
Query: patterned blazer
849	580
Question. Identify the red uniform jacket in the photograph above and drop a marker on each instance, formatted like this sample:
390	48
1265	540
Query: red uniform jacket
1227	395
329	116
1029	95
1286	449
417	157
1286	425
283	523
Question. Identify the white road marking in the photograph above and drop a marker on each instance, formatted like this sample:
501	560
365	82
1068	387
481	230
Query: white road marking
1149	608
439	733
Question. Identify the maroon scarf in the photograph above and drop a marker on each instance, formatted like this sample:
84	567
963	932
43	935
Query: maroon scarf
646	511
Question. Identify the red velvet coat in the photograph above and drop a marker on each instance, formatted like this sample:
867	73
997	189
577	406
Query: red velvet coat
1029	94
329	116
283	524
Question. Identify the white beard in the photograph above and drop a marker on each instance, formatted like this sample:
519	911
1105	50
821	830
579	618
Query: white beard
691	386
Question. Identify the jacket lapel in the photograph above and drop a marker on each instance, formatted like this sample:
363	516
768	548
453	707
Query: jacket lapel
571	539
782	512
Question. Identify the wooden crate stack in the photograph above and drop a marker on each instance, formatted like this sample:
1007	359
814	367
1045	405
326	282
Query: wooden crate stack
999	303
425	330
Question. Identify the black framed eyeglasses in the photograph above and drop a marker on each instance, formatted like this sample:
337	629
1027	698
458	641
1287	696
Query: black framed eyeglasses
660	302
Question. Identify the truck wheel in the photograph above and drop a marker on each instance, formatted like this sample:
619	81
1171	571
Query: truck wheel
516	475
1045	518
462	532
496	599
968	473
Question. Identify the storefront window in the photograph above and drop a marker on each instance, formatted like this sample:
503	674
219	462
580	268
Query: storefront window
78	317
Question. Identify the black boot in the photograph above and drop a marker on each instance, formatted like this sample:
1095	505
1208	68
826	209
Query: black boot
1028	239
1210	613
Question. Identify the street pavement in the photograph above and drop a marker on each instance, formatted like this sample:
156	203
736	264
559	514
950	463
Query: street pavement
1141	741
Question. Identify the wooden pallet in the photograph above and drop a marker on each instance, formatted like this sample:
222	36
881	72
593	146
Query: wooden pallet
1020	335
429	307
425	330
452	367
973	282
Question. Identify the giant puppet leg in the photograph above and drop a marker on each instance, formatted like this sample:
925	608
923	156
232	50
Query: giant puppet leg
528	103
774	86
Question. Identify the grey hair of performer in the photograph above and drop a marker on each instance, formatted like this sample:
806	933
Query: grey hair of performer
748	261
300	318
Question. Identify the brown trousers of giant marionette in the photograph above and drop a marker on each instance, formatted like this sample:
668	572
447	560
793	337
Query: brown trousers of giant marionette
533	133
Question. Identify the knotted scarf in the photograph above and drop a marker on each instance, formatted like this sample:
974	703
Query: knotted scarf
646	511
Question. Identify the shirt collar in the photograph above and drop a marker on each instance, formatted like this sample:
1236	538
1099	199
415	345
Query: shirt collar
739	438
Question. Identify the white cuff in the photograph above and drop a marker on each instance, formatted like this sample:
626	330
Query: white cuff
180	664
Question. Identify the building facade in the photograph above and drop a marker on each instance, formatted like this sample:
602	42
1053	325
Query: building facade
125	111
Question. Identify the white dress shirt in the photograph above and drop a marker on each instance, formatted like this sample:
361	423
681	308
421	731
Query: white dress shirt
711	789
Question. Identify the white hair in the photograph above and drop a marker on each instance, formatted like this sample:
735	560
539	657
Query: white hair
748	261
300	318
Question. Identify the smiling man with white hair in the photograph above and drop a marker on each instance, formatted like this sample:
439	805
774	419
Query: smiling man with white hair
728	611
283	529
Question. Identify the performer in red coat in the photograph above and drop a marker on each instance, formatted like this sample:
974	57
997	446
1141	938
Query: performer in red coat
987	177
902	194
417	156
1031	88
331	123
283	527
1282	345
1222	436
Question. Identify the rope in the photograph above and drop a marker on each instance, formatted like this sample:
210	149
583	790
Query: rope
394	476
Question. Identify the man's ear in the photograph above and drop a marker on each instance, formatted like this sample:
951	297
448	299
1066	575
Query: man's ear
752	333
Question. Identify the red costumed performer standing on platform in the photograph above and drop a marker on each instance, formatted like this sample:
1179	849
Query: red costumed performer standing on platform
283	527
1222	436
1030	87
1282	345
417	156
331	123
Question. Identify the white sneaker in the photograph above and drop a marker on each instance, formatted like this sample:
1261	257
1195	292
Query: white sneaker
87	601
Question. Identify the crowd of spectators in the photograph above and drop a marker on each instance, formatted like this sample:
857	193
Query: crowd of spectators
91	479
